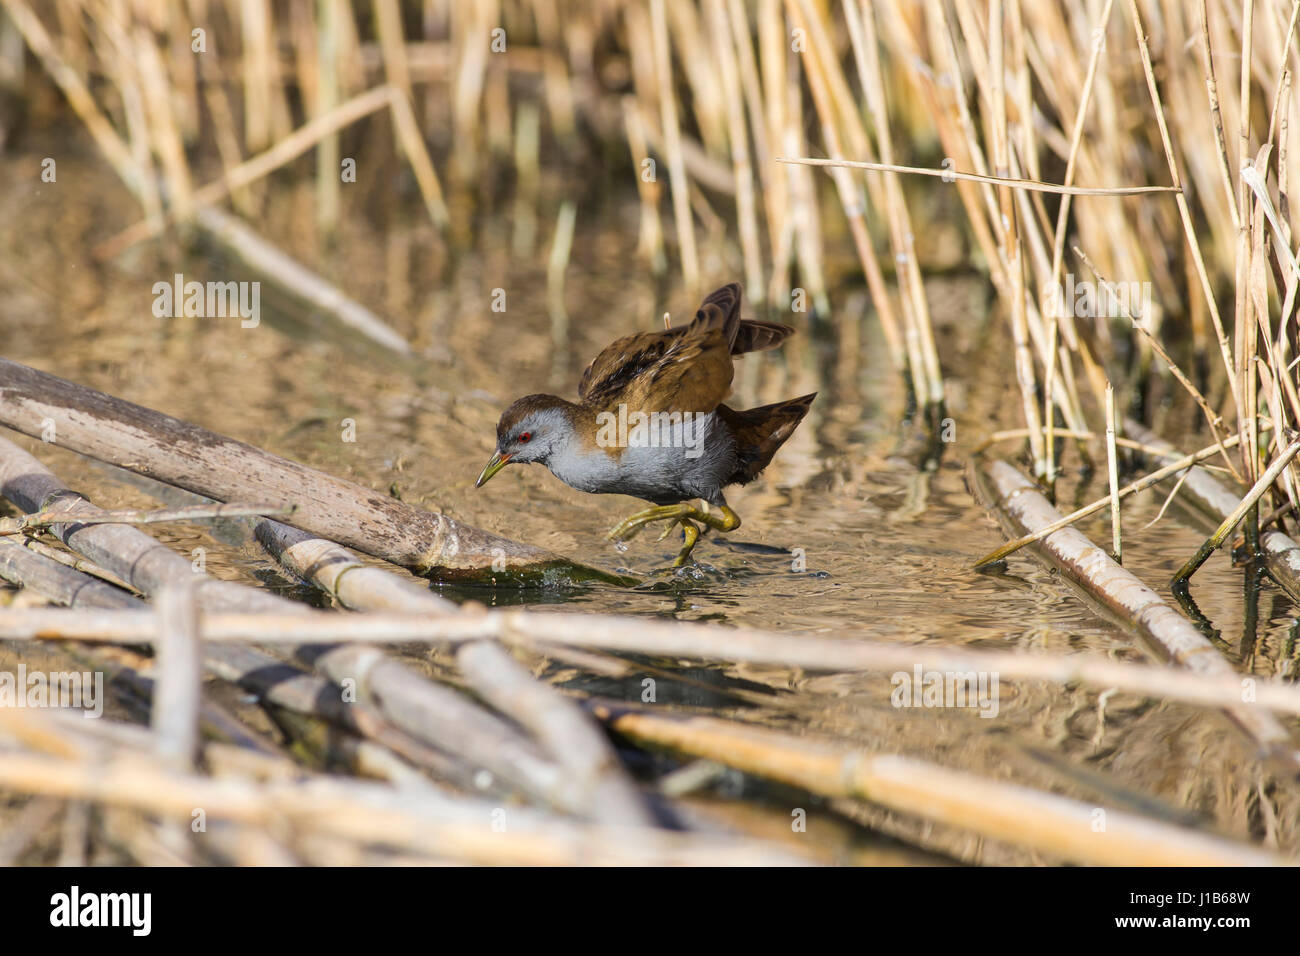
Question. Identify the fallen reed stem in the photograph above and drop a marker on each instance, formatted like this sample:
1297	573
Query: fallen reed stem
41	520
1232	520
1140	485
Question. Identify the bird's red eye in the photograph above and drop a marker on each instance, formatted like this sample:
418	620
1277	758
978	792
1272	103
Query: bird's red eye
525	437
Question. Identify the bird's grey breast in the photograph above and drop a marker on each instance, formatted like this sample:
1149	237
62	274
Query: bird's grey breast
664	460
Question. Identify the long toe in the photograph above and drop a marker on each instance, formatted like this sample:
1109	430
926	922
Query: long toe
668	529
626	529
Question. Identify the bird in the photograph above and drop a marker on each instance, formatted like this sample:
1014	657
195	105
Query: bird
649	422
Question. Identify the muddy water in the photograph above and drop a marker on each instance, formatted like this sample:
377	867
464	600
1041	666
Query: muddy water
850	529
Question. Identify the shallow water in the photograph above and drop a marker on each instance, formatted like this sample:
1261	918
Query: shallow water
850	529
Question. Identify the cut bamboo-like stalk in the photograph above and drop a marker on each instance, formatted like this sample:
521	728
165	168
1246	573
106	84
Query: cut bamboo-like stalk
1281	551
1136	606
345	577
993	808
1129	489
564	730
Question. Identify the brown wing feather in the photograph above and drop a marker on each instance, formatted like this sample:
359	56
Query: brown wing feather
684	369
759	432
755	336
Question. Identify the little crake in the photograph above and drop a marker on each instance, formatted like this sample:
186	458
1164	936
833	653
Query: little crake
649	422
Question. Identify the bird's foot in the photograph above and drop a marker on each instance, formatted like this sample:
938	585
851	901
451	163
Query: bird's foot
684	514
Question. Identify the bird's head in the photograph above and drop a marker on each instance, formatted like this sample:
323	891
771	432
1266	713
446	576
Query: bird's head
532	429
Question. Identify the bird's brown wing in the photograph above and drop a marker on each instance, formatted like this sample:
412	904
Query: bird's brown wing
684	369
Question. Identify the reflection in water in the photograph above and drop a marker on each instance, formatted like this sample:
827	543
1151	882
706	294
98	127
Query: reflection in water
859	525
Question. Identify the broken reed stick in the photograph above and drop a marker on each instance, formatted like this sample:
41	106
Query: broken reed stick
43	519
60	583
437	715
417	821
1281	551
447	720
845	652
948	175
1235	516
151	567
69	587
1048	823
407	703
1133	488
342	575
178	685
563	729
179	453
1137	608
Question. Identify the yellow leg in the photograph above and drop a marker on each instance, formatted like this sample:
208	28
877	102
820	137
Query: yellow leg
690	534
684	514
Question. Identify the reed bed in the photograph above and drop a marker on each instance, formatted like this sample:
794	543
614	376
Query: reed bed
1121	173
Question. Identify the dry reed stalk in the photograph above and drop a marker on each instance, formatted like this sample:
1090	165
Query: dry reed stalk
862	32
557	265
1009	235
1112	472
60	583
426	176
375	814
328	180
392	43
772	58
343	576
1138	608
1140	485
556	632
1076	137
527	138
175	714
1010	182
255	36
738	138
168	143
43	519
562	728
1045	822
650	239
228	148
678	185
